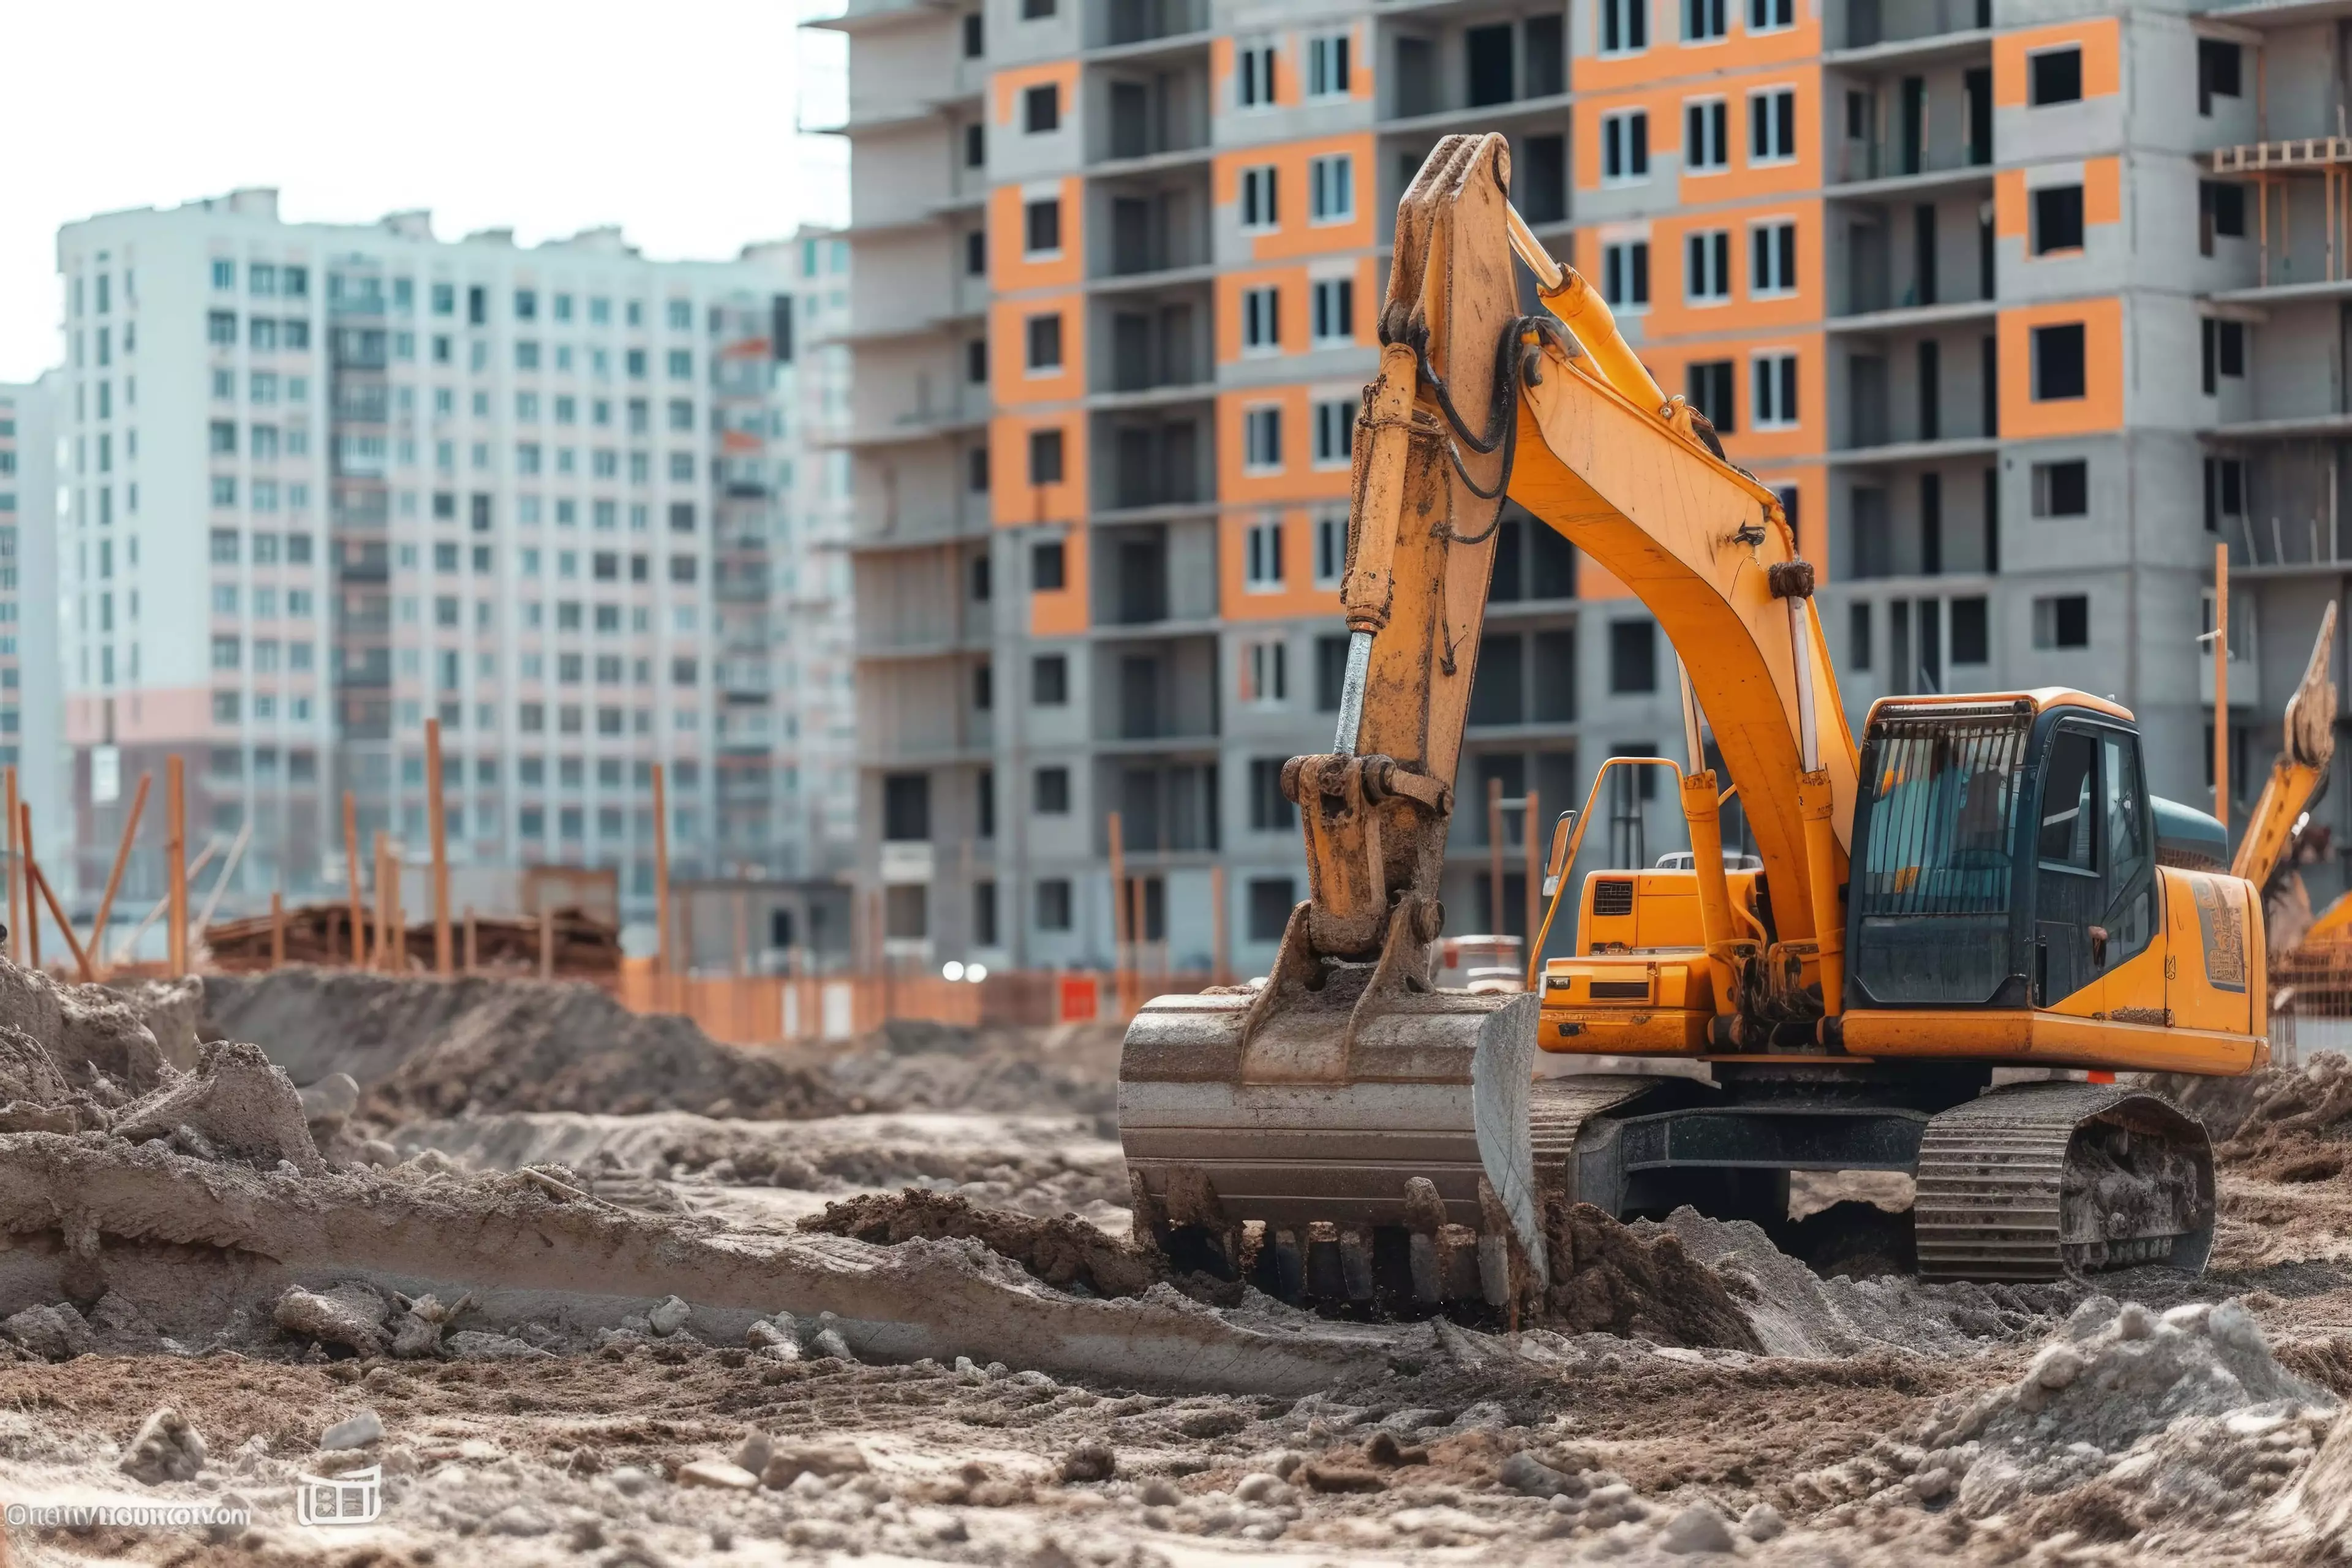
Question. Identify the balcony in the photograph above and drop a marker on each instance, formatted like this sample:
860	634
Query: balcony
1158	340
1155	574
1500	67
1151	460
1142	110
1121	23
1155	692
1163	808
1874	30
1144	224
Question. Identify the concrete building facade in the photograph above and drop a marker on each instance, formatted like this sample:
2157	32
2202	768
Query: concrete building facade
320	483
1974	283
31	710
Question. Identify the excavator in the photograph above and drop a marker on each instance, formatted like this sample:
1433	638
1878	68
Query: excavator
1959	931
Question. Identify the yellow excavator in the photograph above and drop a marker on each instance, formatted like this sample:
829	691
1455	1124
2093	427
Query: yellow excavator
1983	883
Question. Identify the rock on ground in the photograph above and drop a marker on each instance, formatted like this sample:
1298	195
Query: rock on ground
166	1448
1063	1253
237	1102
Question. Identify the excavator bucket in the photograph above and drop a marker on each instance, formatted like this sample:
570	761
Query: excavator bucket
1395	1170
1346	1133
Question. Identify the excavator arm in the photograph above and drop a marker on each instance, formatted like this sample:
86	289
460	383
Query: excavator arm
2300	770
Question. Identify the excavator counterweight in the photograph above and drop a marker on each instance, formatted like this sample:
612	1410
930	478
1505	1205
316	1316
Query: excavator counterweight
1983	883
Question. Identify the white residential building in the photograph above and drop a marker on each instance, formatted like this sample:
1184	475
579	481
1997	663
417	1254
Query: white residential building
320	483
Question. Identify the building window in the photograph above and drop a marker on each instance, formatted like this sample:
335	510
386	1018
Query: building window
1330	672
2225	492
1334	312
1262	439
1857	634
1044	334
1335	425
2059	365
1271	900
1041	109
1624	27
2057	219
1625	147
1044	456
1632	657
1775	391
1052	791
220	326
1259	208
975	254
974	35
1706	136
1626	274
1326	66
1048	567
1770	15
1262	321
1253	75
1049	681
1262	556
1330	549
2063	620
1041	228
1772	126
1971	630
2063	488
1332	188
1706	267
2054	76
1704	21
1266	681
1710	391
2224	344
2218	63
1772	259
1052	903
2221	211
1270	809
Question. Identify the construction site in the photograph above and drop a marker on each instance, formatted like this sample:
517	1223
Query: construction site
1953	1166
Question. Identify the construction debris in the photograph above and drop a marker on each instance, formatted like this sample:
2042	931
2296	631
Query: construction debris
584	947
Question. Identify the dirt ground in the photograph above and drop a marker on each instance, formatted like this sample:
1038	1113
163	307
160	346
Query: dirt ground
559	1276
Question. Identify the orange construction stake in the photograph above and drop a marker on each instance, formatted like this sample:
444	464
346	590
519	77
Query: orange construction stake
352	865
56	912
277	929
20	828
176	856
15	874
122	858
436	824
661	880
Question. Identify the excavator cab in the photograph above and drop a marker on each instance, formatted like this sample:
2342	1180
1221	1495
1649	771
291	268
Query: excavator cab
2004	852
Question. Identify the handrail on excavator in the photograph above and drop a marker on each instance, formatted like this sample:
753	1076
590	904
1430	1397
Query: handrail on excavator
1563	854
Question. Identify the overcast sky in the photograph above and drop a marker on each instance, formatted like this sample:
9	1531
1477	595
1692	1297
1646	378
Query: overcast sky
675	119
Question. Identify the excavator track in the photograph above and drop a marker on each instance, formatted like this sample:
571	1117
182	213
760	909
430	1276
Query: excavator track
2037	1180
1558	1108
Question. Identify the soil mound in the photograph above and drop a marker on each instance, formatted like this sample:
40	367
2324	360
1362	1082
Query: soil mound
2298	1127
1605	1279
1067	1253
433	1047
915	1065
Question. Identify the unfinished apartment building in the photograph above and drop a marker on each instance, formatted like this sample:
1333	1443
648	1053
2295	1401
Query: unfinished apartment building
1982	289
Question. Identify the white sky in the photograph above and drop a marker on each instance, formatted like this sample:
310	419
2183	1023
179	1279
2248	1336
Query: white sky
674	119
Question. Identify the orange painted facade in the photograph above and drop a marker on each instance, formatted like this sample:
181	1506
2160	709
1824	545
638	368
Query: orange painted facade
2100	408
2099	37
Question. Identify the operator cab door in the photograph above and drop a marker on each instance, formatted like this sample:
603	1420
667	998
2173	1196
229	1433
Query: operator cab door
2095	874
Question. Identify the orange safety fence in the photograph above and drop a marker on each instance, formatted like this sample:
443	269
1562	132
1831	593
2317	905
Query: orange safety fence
762	1009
